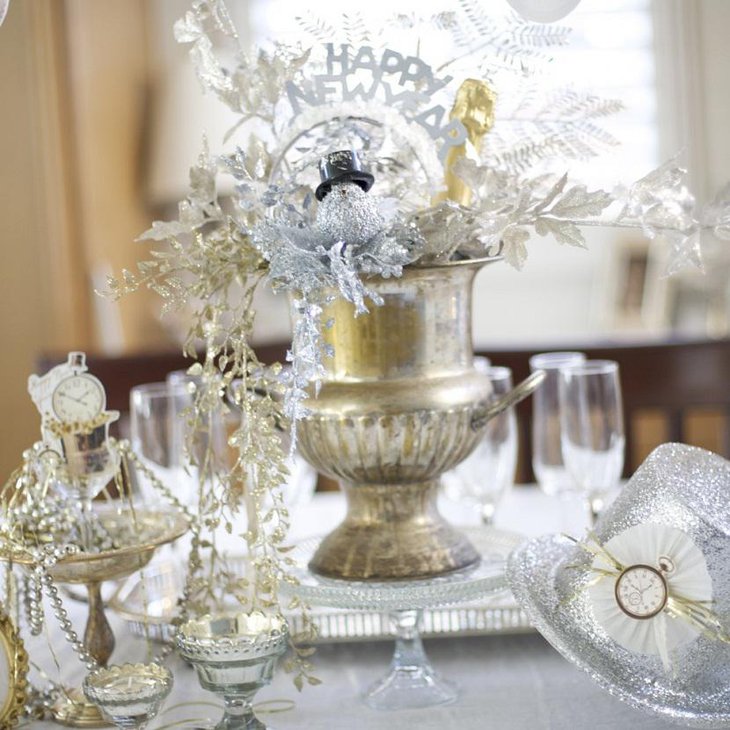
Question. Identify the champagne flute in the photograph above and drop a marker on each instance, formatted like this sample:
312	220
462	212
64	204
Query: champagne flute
592	428
547	457
487	474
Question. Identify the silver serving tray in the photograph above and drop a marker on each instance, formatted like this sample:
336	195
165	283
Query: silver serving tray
147	602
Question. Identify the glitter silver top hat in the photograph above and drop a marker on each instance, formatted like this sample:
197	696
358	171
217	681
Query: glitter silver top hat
340	167
678	487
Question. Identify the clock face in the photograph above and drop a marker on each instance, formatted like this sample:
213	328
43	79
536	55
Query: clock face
78	398
641	591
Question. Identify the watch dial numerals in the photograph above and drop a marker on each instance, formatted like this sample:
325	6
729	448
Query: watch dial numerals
641	591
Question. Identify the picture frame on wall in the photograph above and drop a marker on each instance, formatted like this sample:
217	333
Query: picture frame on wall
637	293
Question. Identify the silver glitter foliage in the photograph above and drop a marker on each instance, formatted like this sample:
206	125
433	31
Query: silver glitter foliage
353	234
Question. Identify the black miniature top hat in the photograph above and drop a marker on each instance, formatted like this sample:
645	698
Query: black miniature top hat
341	166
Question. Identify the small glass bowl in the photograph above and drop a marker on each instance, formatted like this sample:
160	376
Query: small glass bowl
129	695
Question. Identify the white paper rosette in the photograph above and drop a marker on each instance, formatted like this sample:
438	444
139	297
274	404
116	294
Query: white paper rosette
687	579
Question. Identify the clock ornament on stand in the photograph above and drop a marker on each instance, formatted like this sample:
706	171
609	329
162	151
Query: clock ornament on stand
75	425
55	531
643	602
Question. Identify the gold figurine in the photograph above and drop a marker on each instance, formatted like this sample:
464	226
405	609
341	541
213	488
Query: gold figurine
474	108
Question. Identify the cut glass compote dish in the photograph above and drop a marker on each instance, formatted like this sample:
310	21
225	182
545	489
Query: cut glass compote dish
234	656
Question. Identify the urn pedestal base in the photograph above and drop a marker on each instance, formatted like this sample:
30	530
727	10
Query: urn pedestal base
392	532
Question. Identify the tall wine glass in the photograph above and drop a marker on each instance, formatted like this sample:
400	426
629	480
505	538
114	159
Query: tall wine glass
547	457
488	473
158	423
592	428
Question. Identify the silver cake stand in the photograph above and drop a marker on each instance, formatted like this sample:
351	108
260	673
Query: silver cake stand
411	681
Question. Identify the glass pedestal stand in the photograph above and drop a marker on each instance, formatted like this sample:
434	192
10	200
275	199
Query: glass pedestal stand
411	681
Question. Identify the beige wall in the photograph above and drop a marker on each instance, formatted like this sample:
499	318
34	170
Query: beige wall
109	82
33	317
73	83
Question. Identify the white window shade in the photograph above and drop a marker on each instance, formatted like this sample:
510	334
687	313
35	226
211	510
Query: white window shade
611	54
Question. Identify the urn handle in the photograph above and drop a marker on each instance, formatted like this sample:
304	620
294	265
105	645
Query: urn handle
487	410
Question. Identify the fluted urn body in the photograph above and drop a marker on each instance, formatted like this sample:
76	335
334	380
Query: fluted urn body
394	412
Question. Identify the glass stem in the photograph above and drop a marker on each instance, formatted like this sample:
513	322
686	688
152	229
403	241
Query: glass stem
85	526
98	637
595	505
409	655
239	713
487	514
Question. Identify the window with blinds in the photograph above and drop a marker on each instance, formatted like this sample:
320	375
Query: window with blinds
611	54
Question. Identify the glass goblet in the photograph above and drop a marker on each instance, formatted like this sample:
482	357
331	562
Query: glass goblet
90	465
592	428
547	455
234	656
485	477
129	695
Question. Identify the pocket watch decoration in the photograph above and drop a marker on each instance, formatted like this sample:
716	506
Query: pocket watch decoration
13	672
71	401
650	590
79	397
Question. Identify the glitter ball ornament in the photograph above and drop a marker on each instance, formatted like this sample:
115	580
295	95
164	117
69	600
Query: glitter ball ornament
349	214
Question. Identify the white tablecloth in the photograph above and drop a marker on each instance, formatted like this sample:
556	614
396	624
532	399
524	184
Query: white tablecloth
510	682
